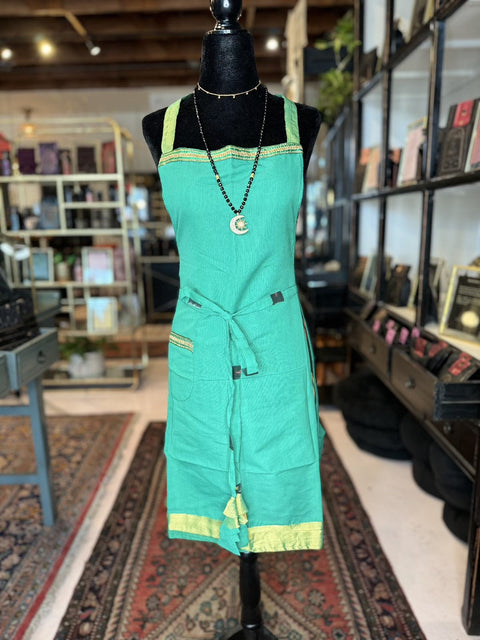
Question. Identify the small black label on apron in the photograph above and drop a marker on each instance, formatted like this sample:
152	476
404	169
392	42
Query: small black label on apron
277	297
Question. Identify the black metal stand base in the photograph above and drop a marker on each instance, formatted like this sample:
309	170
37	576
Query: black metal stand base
252	634
251	619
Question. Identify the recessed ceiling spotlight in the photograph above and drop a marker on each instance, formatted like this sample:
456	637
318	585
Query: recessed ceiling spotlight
6	53
272	43
93	48
46	48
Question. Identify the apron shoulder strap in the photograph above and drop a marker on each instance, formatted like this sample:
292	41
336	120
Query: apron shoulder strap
291	121
169	126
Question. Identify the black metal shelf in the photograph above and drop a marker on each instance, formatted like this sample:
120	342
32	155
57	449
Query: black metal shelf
434	184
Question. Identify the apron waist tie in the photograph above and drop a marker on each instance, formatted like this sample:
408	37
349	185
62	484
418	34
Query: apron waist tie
233	530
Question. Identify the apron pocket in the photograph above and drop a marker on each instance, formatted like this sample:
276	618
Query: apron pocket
181	366
279	422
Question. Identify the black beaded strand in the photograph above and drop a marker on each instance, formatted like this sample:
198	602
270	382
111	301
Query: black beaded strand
212	162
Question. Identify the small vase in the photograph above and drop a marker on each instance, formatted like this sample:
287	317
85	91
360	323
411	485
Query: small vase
90	365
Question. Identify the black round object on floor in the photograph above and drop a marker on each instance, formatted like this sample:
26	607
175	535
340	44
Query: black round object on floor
386	444
452	484
363	398
423	476
457	521
415	438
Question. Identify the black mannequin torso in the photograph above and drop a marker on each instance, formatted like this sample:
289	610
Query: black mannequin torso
228	66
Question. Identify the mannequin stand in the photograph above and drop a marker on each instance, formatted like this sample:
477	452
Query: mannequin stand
251	618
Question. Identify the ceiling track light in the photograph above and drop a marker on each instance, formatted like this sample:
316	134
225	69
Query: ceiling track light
94	49
273	43
6	54
45	48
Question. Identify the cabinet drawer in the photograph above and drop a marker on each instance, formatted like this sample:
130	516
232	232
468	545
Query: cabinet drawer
460	440
431	398
372	347
31	359
4	379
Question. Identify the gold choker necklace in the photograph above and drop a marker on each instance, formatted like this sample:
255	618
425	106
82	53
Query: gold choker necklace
229	95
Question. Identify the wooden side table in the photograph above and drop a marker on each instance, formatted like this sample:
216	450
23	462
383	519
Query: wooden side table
25	366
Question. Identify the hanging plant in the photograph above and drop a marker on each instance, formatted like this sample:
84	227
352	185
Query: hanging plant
336	84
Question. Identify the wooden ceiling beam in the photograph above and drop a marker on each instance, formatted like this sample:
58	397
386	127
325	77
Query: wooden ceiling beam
27	8
130	51
139	26
128	75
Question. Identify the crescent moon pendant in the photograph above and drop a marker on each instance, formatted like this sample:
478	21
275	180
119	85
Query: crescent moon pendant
238	225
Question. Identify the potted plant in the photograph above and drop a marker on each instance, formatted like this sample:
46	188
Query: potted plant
85	356
336	84
63	266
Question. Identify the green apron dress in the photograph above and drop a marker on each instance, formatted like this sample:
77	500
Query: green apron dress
243	440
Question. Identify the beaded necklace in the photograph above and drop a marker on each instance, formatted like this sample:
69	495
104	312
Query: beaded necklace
229	95
238	224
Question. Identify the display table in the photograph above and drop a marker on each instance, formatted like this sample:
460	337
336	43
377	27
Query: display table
24	366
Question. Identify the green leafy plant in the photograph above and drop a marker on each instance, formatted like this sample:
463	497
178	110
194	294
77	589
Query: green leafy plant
336	84
81	345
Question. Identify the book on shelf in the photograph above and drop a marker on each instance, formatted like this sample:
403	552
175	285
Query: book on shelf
358	271
86	162
456	138
26	160
410	169
361	168
418	16
108	157
371	178
65	162
473	154
48	158
397	291
393	164
368	65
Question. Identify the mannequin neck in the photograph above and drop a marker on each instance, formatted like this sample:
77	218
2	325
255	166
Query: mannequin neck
228	62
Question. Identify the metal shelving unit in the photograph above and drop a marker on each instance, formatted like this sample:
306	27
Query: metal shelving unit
75	293
435	216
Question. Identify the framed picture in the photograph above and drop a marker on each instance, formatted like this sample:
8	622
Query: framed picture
461	313
97	265
102	315
42	265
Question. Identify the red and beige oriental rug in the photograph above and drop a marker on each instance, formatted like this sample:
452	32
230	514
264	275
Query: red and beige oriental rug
83	450
139	585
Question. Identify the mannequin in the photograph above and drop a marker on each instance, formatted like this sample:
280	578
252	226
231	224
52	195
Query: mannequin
228	67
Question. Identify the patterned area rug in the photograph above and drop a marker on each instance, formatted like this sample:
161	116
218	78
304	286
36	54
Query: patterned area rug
82	450
139	585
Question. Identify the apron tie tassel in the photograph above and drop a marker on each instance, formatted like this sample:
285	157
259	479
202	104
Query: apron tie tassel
234	532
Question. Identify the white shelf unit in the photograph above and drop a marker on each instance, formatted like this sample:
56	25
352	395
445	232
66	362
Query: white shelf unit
21	193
